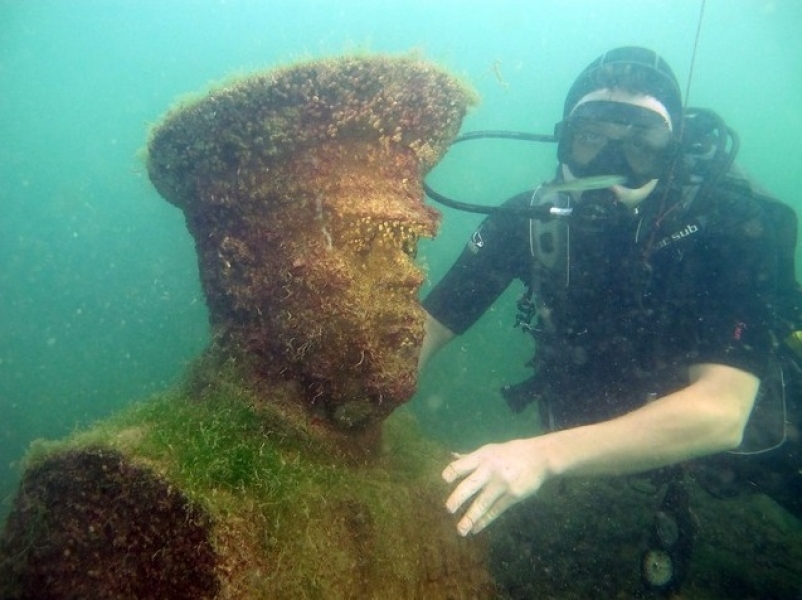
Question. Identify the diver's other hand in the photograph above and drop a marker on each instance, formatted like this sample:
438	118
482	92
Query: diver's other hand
496	476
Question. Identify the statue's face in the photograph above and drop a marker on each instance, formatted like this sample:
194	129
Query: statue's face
346	315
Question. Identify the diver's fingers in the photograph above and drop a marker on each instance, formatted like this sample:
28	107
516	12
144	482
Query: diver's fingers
466	489
493	513
464	464
483	510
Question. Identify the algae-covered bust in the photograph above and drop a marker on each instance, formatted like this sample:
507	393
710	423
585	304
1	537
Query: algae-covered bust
302	189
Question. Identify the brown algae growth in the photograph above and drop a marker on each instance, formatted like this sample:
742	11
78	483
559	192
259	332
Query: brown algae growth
302	189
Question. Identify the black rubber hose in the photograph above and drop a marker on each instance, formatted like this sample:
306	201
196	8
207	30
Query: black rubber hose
536	212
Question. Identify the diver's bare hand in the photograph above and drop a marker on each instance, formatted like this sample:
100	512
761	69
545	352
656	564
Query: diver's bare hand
496	476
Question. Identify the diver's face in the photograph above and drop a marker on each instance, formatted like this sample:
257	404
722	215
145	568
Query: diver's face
609	148
614	138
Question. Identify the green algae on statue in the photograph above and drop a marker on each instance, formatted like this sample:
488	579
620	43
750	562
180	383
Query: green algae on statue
274	472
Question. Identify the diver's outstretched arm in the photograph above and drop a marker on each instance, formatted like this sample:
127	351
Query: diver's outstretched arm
706	417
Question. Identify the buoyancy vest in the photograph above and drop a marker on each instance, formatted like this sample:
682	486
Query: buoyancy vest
698	211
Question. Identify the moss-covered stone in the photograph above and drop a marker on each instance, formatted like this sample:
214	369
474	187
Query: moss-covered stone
302	189
89	523
271	473
218	495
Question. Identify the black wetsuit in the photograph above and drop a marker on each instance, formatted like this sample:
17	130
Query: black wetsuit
649	294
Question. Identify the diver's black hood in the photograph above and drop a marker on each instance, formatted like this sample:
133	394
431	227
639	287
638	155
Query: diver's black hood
634	69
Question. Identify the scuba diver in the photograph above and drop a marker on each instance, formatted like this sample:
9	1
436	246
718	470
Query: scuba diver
660	293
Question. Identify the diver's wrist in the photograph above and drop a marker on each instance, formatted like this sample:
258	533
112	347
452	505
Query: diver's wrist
553	450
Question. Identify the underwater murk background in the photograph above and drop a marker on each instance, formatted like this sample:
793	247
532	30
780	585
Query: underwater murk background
100	302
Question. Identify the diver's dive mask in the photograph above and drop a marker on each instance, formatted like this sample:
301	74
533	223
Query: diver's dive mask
615	138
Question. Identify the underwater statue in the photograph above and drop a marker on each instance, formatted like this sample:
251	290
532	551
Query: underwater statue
273	471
